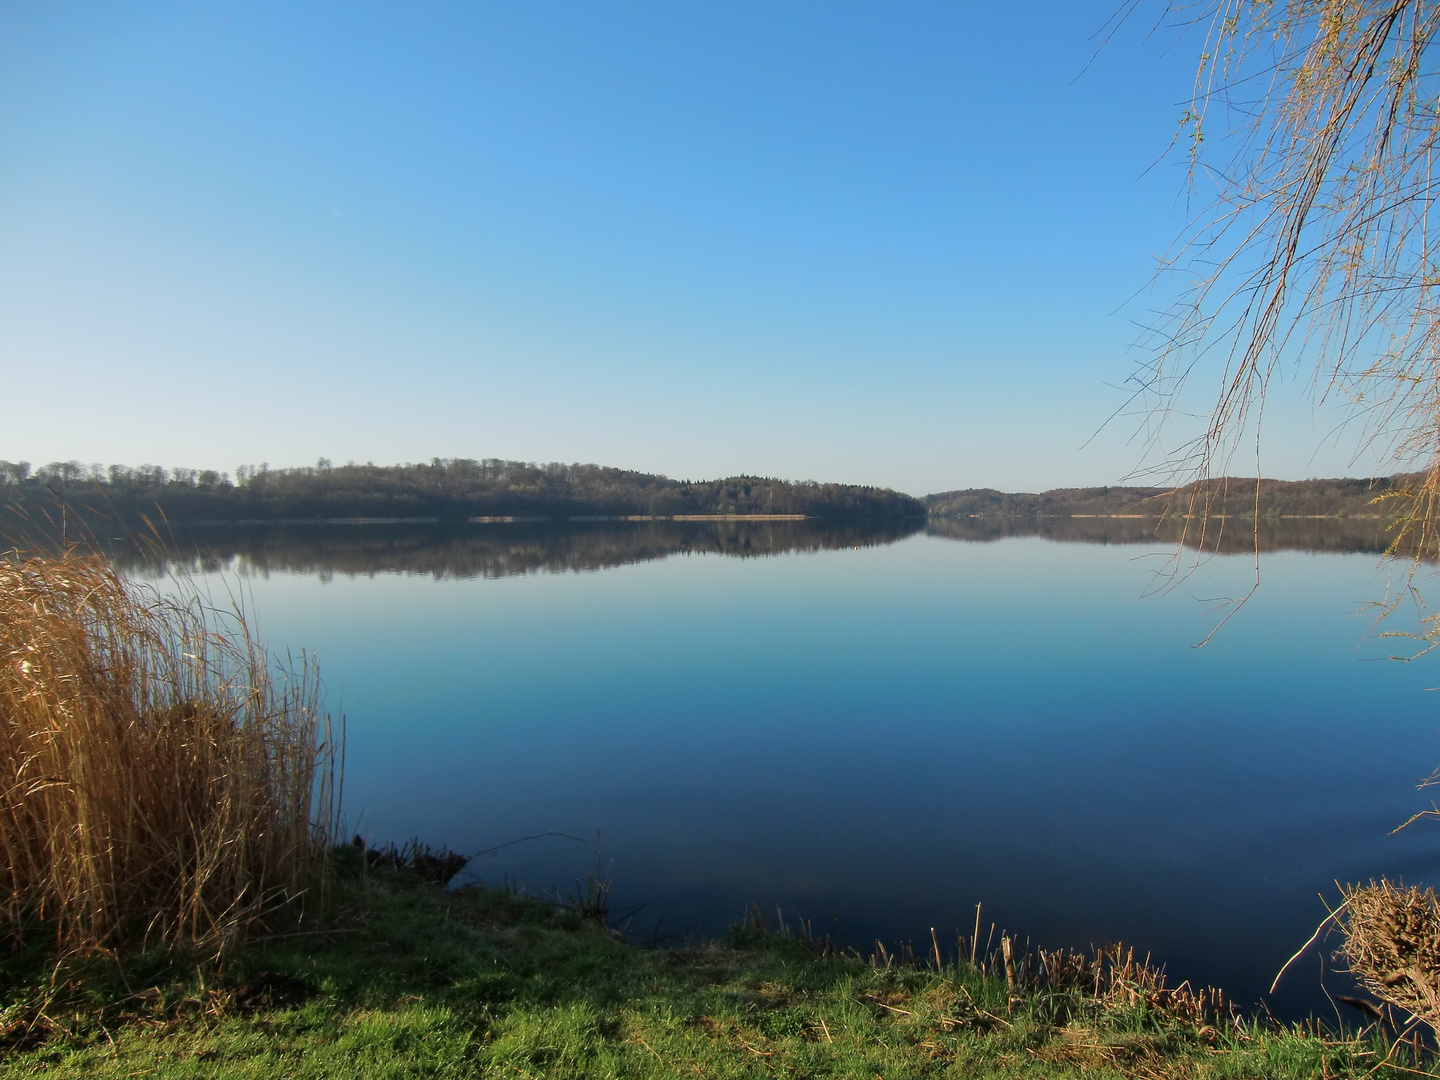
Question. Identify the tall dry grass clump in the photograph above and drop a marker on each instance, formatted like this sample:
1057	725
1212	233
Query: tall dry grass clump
160	779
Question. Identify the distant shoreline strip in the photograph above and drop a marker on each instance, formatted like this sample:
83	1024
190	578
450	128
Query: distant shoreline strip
487	519
678	517
310	521
737	517
1035	516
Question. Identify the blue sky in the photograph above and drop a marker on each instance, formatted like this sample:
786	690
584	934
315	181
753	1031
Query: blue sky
905	245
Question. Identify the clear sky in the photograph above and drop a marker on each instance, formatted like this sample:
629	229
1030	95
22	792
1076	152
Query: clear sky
879	243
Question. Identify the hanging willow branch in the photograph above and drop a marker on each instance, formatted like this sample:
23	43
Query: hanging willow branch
1319	248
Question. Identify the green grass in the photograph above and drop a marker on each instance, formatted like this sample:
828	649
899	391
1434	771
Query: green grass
411	981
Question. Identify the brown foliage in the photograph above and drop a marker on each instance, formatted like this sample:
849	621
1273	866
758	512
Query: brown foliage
1392	946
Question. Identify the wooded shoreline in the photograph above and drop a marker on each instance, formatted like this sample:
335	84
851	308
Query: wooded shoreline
458	489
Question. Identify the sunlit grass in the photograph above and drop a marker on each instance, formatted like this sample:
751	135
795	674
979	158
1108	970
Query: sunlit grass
414	981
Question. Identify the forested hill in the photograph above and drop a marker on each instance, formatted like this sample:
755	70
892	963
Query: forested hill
446	489
1226	495
456	489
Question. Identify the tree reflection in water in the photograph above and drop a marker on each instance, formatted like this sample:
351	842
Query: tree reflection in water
503	549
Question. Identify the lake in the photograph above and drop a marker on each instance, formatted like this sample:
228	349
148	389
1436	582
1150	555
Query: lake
874	727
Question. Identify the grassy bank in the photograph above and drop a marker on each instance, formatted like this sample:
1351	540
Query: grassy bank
409	980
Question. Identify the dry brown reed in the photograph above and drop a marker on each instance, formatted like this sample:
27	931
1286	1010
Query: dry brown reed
1116	978
1109	977
1392	946
162	779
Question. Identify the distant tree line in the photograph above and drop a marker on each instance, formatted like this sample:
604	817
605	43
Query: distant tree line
453	489
1228	496
445	488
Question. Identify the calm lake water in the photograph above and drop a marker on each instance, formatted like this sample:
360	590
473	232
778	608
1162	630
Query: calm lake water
875	729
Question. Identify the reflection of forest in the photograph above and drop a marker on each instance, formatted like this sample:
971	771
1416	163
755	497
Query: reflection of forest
504	549
481	550
1230	535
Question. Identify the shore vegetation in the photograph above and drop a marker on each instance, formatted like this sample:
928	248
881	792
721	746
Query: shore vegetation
409	979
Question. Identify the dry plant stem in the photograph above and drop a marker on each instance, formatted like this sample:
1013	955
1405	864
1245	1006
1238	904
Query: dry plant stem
158	779
1007	952
975	938
1311	941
